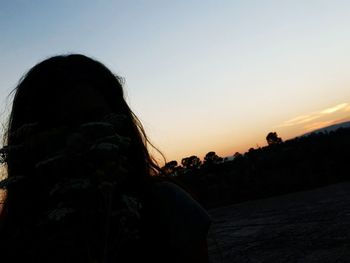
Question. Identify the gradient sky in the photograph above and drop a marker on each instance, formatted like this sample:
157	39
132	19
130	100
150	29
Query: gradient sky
201	75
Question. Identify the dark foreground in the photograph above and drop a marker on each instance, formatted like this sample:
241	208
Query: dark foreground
311	226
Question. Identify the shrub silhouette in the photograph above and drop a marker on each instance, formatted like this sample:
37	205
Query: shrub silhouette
272	138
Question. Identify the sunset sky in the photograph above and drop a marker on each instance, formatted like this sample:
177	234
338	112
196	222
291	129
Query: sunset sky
201	75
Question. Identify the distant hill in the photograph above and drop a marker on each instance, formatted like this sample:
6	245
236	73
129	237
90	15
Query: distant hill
298	164
330	128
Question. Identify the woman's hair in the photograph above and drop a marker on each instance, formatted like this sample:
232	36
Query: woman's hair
42	94
61	92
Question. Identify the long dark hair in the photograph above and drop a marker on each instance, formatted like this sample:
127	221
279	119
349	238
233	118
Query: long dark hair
42	97
43	88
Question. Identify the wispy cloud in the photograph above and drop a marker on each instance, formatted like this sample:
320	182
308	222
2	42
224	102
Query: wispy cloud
308	118
300	120
335	108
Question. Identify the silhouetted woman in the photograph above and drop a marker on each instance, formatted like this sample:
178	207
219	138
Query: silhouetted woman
81	184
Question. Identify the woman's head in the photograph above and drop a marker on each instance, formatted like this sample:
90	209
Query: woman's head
71	90
95	181
65	90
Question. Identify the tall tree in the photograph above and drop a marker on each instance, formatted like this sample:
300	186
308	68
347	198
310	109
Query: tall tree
191	162
170	168
272	138
212	158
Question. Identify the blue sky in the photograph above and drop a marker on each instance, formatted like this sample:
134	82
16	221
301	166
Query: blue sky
201	75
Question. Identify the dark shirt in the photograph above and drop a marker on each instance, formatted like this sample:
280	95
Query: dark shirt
176	225
174	228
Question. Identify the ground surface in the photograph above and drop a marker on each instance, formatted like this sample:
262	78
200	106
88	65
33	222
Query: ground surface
304	227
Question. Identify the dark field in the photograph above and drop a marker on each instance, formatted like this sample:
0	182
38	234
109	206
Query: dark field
310	226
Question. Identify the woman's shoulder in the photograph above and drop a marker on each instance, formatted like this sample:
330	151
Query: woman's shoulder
185	219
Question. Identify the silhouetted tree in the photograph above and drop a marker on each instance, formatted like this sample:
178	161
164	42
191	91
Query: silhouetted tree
170	168
237	155
191	162
212	158
272	138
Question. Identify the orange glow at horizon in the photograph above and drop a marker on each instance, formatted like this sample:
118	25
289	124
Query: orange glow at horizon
225	145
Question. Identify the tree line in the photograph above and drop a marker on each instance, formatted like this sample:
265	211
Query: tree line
280	167
172	168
